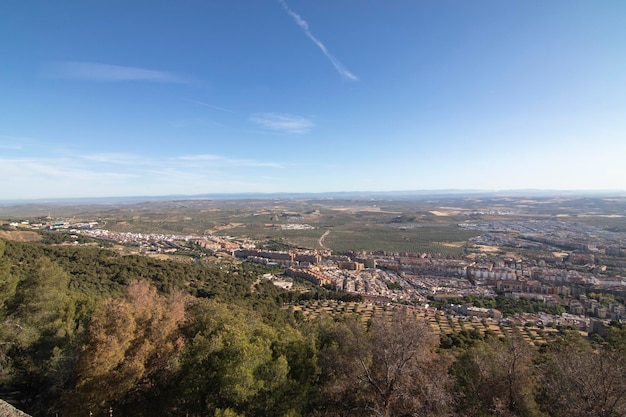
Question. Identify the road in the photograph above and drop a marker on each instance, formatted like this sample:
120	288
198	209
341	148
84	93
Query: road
321	239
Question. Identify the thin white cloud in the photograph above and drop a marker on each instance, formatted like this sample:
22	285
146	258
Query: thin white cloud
113	158
221	161
53	169
341	69
16	143
11	147
72	174
285	123
211	106
93	71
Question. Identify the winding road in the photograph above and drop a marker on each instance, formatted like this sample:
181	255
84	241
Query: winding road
321	239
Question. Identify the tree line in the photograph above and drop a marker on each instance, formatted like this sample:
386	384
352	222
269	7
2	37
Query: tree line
85	330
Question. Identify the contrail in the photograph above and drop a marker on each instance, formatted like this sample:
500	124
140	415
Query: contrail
342	70
210	105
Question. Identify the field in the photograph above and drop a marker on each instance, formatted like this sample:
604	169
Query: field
360	223
444	239
20	236
440	324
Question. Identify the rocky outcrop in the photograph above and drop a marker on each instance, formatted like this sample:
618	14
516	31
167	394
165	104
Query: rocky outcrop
7	410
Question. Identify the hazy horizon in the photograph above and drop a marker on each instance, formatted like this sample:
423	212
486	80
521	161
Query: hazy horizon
378	195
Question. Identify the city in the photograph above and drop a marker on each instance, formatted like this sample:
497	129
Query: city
560	264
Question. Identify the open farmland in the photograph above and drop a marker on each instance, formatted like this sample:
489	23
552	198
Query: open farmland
399	226
417	224
445	239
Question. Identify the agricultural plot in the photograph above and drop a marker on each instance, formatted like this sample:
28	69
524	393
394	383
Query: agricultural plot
365	311
440	324
447	240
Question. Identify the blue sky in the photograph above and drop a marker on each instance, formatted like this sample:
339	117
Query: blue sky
159	97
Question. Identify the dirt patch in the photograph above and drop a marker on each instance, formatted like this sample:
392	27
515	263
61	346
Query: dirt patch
606	216
372	209
452	244
160	256
20	236
223	227
486	248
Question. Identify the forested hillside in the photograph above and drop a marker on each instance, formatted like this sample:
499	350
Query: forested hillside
85	329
